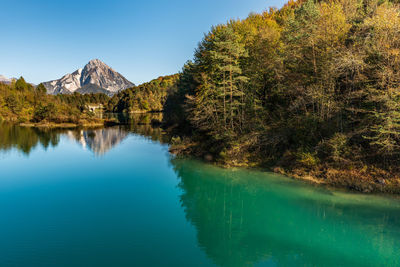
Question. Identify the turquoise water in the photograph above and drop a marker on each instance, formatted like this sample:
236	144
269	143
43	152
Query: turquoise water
116	197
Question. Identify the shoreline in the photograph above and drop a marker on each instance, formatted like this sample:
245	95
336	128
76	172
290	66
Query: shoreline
69	125
366	185
369	180
61	125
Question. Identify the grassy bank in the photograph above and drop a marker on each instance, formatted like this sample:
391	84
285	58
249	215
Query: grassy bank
45	124
359	177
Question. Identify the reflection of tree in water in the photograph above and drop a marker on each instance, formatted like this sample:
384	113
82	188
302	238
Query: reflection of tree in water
25	138
143	124
242	222
99	141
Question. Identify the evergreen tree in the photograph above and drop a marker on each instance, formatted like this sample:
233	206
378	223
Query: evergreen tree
226	55
21	85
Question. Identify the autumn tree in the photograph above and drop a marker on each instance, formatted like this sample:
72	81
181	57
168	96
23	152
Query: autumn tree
383	99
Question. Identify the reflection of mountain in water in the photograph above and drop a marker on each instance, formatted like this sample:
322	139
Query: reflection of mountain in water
99	141
25	139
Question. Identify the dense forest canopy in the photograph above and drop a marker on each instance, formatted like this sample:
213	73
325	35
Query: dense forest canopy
147	97
311	87
23	102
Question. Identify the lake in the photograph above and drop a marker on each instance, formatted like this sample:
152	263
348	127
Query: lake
116	197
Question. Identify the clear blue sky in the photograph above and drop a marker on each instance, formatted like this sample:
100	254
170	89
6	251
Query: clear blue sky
44	39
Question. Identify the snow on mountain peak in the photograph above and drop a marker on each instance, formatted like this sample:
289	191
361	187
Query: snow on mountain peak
94	77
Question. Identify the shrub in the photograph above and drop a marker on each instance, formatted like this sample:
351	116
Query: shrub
44	112
335	149
13	103
307	160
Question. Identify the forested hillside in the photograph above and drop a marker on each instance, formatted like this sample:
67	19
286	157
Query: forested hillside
22	102
147	97
312	88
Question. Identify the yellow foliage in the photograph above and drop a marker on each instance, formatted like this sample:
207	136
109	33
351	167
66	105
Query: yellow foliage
332	25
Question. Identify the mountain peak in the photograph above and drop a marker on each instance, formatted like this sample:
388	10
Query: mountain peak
94	77
96	61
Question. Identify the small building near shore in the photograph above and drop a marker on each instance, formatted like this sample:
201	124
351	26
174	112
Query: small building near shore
94	107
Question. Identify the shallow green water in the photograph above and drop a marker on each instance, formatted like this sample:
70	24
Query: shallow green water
112	197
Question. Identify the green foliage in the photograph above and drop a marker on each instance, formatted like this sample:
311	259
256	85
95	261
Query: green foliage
335	149
307	159
40	89
44	112
22	102
315	76
146	97
13	103
21	85
80	101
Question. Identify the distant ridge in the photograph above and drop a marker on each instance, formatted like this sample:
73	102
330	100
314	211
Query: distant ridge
94	77
4	79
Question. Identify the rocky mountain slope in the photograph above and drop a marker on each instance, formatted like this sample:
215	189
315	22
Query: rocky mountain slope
95	77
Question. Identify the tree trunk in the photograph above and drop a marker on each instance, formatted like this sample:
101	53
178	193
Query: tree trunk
224	81
231	84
